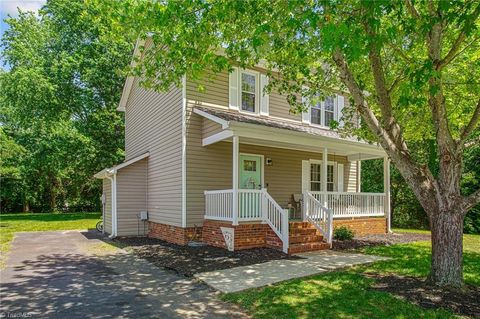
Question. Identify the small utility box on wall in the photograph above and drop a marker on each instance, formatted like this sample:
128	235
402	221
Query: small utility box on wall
144	215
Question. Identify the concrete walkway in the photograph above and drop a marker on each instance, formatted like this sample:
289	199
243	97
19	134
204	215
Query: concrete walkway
254	276
73	274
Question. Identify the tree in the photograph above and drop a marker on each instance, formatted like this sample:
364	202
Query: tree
58	102
410	68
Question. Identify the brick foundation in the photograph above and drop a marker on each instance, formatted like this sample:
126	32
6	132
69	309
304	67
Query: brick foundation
363	226
246	235
174	234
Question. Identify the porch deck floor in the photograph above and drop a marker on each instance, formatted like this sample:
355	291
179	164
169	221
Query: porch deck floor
259	275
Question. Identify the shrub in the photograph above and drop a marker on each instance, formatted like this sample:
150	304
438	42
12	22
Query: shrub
343	233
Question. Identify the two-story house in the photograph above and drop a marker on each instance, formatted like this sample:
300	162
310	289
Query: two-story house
232	167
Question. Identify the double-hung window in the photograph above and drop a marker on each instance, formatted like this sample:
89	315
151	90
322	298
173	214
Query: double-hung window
323	112
316	177
248	97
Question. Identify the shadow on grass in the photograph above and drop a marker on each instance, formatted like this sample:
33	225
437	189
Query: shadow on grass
332	295
48	217
414	260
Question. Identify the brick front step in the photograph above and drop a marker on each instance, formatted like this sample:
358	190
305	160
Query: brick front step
298	238
296	225
304	231
304	247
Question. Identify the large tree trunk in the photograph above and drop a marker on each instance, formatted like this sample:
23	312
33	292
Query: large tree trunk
447	248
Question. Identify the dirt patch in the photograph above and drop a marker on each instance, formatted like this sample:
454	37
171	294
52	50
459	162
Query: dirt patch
379	240
187	261
465	302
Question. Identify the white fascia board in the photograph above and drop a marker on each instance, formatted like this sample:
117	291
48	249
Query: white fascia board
129	162
225	124
217	137
127	88
301	138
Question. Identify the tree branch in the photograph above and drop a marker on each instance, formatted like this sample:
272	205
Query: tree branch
419	177
452	53
471	200
411	9
472	124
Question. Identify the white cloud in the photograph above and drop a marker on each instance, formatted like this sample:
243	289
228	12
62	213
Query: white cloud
9	7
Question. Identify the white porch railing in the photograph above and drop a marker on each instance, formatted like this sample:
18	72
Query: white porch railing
318	215
253	205
346	204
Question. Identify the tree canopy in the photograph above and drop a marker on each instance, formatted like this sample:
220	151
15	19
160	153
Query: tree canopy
57	104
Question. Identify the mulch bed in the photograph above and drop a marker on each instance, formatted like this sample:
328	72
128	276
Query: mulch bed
465	302
378	240
187	261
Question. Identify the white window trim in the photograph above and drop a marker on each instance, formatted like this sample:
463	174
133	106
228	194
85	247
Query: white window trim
308	117
257	91
335	173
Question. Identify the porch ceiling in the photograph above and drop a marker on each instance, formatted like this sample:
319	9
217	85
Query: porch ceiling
265	131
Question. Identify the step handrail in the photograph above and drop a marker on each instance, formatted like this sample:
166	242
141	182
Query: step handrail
276	217
318	215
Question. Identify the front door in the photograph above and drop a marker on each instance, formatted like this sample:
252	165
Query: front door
250	178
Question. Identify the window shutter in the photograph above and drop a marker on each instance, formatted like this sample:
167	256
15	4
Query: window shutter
340	104
340	177
305	176
233	93
264	97
306	115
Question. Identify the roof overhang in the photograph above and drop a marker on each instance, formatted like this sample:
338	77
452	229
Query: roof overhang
107	172
127	87
264	135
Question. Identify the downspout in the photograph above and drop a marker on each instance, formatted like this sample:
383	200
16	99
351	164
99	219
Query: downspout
114	204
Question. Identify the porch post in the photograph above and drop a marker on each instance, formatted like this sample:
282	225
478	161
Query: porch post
235	147
324	176
386	189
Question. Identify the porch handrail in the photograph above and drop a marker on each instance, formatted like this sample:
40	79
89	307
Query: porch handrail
260	206
276	217
219	204
318	215
351	204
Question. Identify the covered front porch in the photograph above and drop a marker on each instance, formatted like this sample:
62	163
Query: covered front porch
279	175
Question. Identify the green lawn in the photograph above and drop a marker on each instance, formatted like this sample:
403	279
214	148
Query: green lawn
346	294
12	223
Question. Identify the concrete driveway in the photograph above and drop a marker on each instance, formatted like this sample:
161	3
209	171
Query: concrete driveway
73	274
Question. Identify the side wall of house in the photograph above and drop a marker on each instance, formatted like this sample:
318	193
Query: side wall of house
153	123
132	198
107	214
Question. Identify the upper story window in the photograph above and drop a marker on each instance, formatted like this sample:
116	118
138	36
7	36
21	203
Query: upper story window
247	91
323	113
249	94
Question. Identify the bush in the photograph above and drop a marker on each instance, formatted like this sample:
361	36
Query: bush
343	233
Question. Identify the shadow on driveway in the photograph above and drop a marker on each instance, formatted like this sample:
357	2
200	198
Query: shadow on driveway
68	275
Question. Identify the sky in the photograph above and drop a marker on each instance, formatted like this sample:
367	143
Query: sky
9	7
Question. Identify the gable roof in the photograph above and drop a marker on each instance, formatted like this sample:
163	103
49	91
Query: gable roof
127	87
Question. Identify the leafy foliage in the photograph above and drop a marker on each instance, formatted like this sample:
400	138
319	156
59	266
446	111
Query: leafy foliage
58	101
343	233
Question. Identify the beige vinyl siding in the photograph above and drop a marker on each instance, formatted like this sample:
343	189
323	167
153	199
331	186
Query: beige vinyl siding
132	198
107	192
210	168
210	128
153	123
350	176
215	94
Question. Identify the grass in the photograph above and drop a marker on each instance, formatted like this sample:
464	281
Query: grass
12	223
346	294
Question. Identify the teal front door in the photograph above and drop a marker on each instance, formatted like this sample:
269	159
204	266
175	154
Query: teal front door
250	183
250	176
